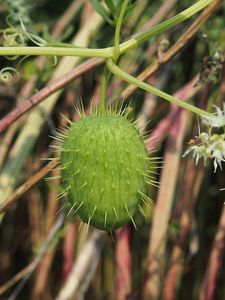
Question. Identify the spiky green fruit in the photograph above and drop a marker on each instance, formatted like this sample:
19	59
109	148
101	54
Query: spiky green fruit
104	170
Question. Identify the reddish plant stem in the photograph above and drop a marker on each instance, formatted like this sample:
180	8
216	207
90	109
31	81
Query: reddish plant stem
54	86
25	274
123	263
66	18
163	208
40	61
43	269
68	250
59	83
208	289
161	130
175	266
35	216
8	137
28	184
47	91
83	267
189	193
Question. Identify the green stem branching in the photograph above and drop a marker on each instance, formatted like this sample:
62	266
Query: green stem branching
126	77
110	51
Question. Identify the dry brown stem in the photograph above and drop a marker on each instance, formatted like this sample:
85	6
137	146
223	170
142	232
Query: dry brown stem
27	185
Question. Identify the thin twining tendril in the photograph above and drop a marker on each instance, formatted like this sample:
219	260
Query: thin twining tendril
6	74
12	39
37	40
18	37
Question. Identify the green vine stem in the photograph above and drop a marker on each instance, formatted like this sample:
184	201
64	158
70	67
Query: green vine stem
110	51
106	73
118	28
162	27
105	79
57	51
120	73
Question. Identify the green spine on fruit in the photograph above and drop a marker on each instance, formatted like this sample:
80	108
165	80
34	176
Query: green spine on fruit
105	167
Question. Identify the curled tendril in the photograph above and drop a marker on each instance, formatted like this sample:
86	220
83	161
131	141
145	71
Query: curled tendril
6	74
52	60
37	40
21	61
18	37
12	38
7	19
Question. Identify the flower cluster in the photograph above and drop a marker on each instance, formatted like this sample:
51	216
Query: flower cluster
208	146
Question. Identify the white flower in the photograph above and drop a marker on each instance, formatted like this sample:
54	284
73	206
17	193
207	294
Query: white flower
217	150
217	120
209	147
198	151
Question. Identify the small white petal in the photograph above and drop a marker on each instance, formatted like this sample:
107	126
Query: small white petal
217	120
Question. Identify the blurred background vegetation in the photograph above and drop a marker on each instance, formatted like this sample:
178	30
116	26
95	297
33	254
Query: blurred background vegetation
177	251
